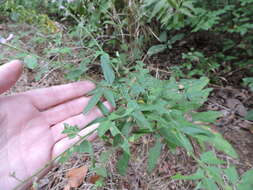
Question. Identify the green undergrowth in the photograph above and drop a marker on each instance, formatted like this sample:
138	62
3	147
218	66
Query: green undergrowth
117	39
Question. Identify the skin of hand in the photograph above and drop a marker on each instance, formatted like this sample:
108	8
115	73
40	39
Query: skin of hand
31	124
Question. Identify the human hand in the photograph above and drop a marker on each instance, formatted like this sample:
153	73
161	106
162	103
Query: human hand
31	124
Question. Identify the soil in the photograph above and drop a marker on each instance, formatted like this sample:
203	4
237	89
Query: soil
231	101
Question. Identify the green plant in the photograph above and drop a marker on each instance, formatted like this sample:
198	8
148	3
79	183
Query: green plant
167	44
171	13
24	11
210	174
146	105
248	82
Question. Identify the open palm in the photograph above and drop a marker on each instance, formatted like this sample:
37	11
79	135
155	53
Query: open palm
31	124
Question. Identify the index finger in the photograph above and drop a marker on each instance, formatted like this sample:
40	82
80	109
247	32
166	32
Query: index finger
48	97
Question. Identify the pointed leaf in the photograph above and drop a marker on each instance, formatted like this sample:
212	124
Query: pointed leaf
104	127
107	68
122	164
246	181
141	119
93	102
210	158
154	154
114	130
231	174
126	147
198	175
156	49
209	116
109	96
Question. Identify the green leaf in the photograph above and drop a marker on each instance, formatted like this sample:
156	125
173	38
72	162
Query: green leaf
114	130
104	127
209	184
154	154
110	96
176	138
107	68
198	175
141	119
105	111
214	173
246	181
126	128
104	157
173	3
85	147
74	74
156	49
231	174
163	36
93	102
176	38
220	143
31	61
196	85
195	131
65	156
249	115
122	164
248	82
101	171
126	147
70	131
210	158
209	116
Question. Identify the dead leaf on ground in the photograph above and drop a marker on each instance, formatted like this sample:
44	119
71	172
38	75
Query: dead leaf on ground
246	125
237	106
76	177
93	179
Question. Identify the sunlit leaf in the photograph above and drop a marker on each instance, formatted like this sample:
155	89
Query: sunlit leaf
210	158
198	175
231	174
31	61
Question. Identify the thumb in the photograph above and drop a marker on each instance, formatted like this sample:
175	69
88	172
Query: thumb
9	74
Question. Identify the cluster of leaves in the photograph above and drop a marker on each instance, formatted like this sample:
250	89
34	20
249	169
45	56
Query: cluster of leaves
24	11
165	109
210	174
229	19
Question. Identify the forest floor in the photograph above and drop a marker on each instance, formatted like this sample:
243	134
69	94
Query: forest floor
231	100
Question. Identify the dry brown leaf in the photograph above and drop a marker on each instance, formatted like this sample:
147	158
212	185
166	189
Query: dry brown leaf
236	106
93	179
76	177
